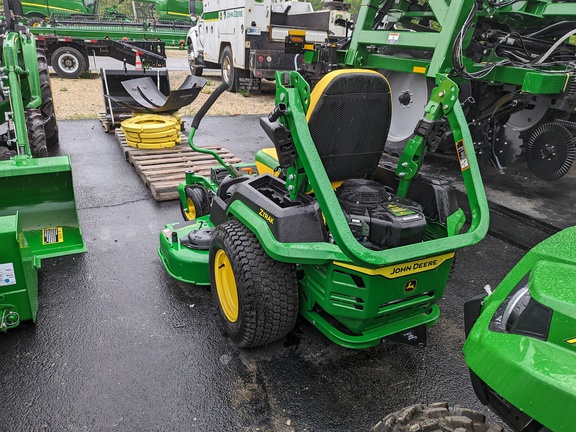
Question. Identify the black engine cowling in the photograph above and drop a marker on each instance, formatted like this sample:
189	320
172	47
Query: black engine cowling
378	218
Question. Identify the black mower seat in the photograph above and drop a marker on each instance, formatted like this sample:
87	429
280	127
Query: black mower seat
349	118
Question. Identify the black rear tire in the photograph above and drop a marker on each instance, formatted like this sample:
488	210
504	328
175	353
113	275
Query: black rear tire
259	305
47	106
198	199
68	62
435	417
36	136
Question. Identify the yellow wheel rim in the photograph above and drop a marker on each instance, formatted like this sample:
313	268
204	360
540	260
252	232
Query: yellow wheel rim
191	213
226	285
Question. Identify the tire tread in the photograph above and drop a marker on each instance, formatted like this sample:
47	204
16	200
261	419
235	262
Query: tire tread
268	288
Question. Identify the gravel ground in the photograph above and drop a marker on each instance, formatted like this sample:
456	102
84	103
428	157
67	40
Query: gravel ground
82	98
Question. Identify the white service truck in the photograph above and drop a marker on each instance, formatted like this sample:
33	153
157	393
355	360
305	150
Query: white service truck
246	38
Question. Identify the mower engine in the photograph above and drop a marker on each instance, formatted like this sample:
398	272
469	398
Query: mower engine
379	219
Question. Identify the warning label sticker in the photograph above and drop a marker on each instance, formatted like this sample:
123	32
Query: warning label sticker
7	275
393	38
462	156
52	235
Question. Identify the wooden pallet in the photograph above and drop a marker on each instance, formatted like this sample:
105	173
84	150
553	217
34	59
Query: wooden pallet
107	123
162	170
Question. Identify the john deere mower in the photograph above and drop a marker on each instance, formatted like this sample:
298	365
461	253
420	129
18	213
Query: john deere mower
521	350
362	252
38	217
528	328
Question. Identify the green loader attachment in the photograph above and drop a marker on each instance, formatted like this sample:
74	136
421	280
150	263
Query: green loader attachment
41	191
38	217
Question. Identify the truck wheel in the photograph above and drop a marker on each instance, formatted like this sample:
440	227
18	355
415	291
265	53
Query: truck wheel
36	136
435	417
198	201
194	70
256	296
228	69
68	62
47	106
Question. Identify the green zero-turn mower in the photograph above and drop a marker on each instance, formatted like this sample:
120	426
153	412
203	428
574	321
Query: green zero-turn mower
527	327
38	217
521	350
362	252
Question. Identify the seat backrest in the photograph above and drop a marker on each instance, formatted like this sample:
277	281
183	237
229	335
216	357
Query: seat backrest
349	118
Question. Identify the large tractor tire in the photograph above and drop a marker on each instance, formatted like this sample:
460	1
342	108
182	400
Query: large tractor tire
47	106
36	136
6	153
256	296
436	417
68	62
198	200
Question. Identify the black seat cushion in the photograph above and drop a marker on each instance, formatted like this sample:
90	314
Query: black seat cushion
349	122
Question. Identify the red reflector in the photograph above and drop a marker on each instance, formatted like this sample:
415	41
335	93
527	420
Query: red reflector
68	39
258	73
93	41
41	38
260	59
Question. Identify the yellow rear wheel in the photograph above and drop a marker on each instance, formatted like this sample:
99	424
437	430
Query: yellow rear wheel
256	296
226	286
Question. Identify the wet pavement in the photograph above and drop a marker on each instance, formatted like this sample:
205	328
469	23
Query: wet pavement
119	345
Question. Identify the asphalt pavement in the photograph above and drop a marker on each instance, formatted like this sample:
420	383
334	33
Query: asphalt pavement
121	346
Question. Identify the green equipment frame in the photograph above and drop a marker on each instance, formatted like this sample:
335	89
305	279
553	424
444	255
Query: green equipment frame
354	295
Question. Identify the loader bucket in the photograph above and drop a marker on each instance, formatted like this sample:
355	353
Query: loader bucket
112	87
41	191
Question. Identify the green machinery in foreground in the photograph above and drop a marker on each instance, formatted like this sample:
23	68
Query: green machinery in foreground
527	327
362	252
514	61
520	347
38	217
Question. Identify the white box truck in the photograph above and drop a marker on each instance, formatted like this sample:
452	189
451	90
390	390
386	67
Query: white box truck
246	38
